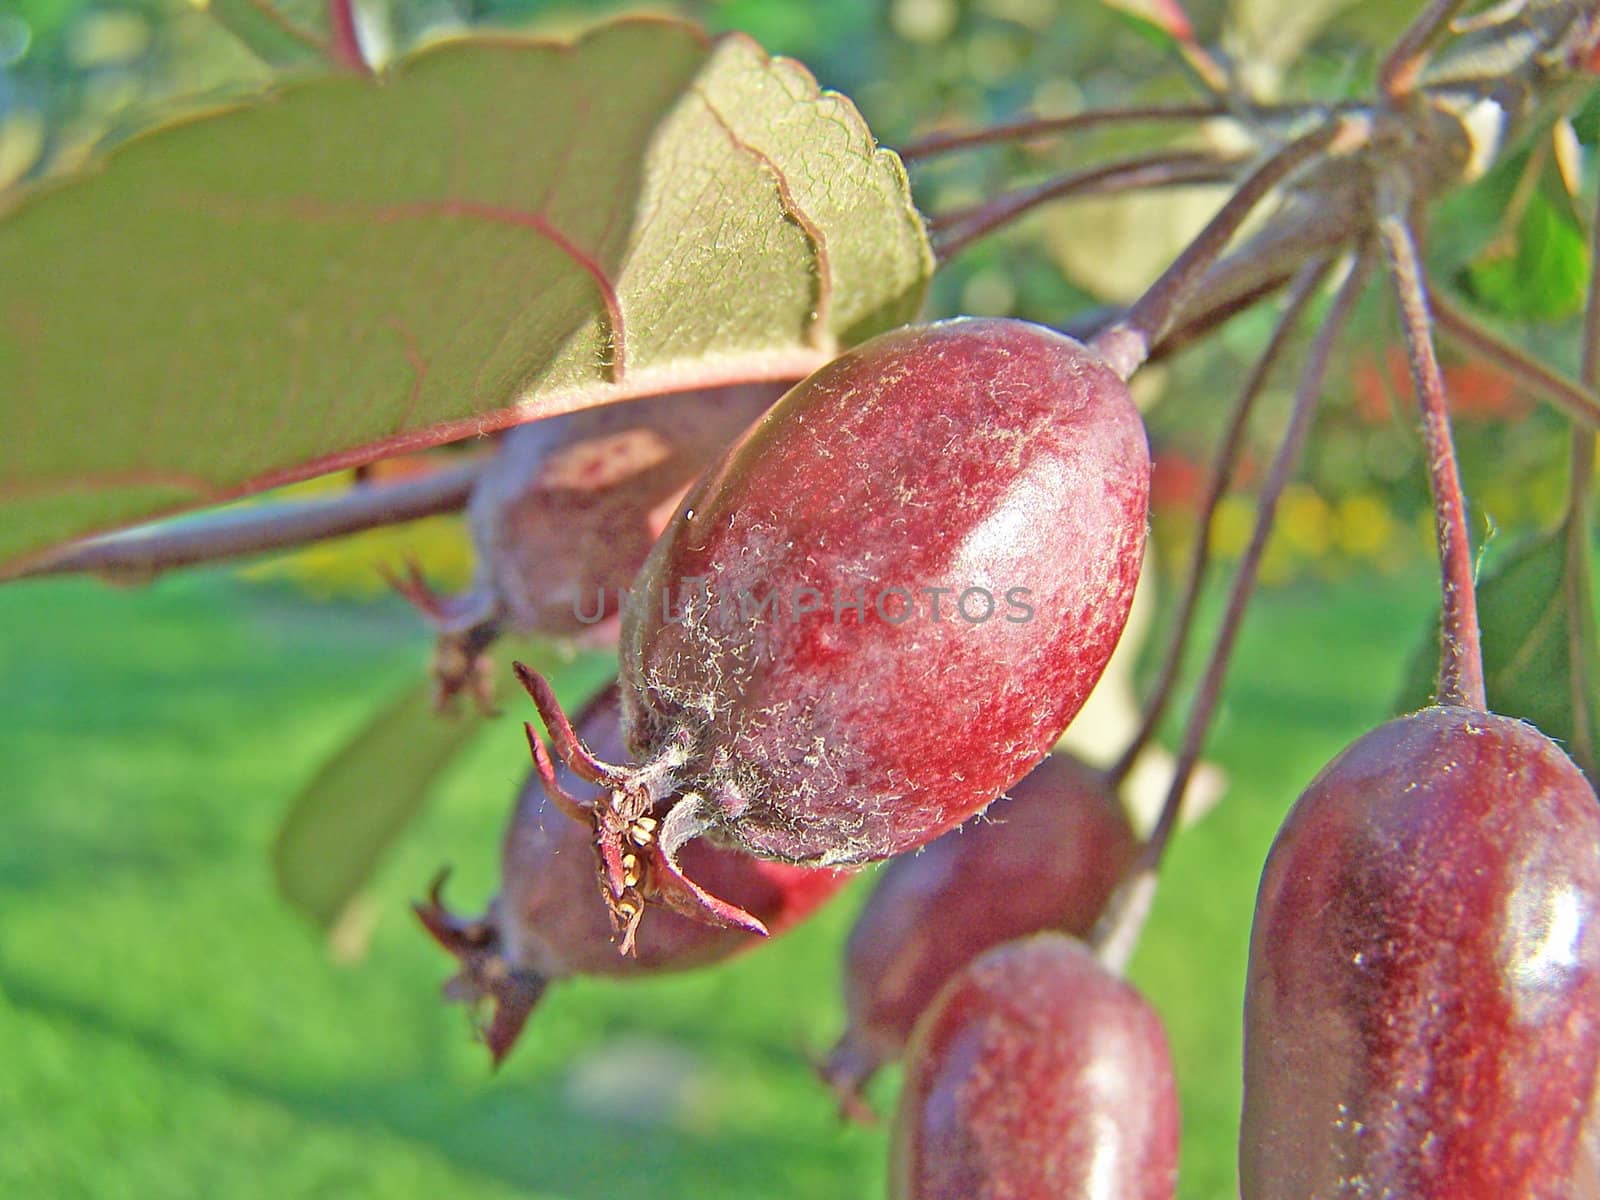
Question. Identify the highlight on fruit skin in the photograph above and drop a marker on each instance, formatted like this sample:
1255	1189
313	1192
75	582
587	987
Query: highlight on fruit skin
563	517
875	614
544	926
1037	1075
1422	1013
1046	856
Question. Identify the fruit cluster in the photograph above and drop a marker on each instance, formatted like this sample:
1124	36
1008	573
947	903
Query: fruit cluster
1426	962
816	672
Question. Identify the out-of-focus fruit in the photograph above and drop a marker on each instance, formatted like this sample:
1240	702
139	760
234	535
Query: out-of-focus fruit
564	515
543	927
1046	856
1037	1075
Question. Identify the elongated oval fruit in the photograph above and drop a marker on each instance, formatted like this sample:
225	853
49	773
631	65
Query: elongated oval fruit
1036	1075
1422	1016
879	611
565	514
1046	856
542	927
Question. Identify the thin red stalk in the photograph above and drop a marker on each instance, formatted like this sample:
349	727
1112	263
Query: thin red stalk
1029	128
1580	531
260	529
1118	932
1227	457
1144	170
1576	400
344	42
1461	654
1579	601
954	231
1126	345
1398	72
1308	391
1204	66
1589	368
1246	274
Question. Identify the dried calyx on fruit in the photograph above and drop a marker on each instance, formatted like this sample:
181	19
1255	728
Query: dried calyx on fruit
1044	857
540	928
1037	1075
564	515
1422	1012
874	615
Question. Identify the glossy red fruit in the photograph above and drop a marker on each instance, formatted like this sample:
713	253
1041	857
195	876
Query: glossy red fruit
1422	1017
880	609
1046	856
565	513
542	928
1037	1075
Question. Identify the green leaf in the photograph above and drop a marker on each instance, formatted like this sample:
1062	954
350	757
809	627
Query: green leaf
282	33
1540	274
1164	20
496	231
1540	659
343	821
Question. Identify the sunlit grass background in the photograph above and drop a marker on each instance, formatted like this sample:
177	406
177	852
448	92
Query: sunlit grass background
169	1029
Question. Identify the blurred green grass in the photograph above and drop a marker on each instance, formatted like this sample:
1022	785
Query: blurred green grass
169	1030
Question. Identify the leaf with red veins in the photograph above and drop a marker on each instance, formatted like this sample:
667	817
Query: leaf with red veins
353	270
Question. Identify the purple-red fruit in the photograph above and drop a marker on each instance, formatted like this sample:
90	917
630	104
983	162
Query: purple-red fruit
1422	1016
565	513
879	610
1037	1075
1045	857
542	926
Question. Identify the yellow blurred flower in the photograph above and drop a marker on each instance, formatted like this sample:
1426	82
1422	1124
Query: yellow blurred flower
1364	527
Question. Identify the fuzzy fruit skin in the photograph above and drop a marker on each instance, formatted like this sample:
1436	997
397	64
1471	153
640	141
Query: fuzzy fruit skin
542	927
1422	1014
1046	856
1037	1075
990	454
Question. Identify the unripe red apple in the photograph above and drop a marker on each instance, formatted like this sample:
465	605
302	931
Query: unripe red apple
1422	1017
544	927
877	612
1045	856
1037	1075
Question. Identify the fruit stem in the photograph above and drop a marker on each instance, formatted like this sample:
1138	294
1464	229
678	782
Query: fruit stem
1132	174
1461	655
1117	933
138	555
1398	74
1578	401
1126	345
1576	579
344	42
1583	439
1578	586
1304	288
1029	128
1262	264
